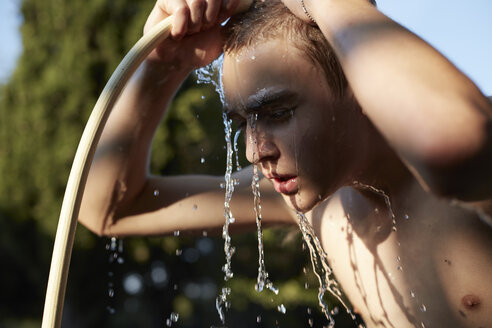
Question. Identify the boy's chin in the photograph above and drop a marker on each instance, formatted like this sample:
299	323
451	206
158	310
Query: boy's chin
301	204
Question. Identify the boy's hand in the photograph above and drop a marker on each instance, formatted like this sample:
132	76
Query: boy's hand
196	37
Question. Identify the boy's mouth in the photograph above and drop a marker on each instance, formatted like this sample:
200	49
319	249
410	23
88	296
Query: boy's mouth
286	184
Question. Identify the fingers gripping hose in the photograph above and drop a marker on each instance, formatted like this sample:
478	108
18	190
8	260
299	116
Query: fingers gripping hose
62	250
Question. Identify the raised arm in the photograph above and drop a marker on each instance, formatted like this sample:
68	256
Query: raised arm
432	114
120	197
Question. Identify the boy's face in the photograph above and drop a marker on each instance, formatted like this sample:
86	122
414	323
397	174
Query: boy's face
300	140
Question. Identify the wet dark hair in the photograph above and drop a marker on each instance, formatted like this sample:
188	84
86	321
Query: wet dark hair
270	19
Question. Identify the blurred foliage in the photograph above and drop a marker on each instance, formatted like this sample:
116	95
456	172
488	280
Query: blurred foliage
70	50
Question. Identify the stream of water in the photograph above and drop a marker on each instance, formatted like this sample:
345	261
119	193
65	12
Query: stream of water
262	280
322	270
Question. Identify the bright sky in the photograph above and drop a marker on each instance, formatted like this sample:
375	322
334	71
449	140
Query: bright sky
10	41
462	30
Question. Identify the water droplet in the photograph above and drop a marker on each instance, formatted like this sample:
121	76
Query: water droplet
253	57
203	97
174	317
310	322
423	308
334	311
176	233
222	185
111	292
308	310
398	259
281	308
407	217
121	260
202	160
399	268
258	319
175	287
111	310
204	233
422	325
113	243
306	285
195	207
412	294
156	192
179	252
376	210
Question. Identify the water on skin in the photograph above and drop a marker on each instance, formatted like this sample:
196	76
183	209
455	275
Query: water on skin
321	269
211	74
262	280
236	150
319	260
387	201
382	194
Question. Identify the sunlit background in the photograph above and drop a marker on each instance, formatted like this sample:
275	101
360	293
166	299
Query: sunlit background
462	30
43	108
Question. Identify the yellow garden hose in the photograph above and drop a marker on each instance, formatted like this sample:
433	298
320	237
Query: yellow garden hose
62	250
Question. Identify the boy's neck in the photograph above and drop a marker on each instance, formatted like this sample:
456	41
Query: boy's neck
379	165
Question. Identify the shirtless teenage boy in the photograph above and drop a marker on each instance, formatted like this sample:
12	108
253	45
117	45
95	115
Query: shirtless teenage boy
408	123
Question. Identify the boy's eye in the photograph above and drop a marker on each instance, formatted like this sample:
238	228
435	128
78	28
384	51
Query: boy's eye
281	114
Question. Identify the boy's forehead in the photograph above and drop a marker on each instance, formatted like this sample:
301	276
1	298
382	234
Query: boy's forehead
261	99
256	72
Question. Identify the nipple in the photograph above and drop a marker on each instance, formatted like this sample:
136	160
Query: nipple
471	302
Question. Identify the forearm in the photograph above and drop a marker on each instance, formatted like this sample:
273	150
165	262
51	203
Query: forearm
429	112
120	166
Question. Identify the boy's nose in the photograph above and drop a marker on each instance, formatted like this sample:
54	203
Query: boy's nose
260	147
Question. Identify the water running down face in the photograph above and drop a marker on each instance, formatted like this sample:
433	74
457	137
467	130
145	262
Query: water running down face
302	132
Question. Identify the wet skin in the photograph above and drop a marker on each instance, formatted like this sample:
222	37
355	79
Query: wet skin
297	117
435	269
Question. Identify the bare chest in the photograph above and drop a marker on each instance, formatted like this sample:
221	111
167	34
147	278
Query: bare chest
424	263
